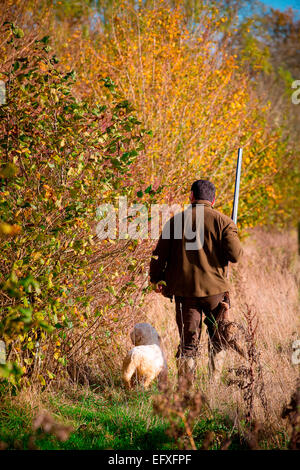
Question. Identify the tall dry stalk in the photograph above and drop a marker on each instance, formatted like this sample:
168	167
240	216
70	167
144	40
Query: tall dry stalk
250	378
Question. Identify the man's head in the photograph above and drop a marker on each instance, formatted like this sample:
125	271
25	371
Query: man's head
203	189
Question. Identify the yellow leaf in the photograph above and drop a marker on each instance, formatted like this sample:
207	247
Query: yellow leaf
9	230
42	380
50	375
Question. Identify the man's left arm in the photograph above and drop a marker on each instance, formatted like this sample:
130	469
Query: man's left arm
159	260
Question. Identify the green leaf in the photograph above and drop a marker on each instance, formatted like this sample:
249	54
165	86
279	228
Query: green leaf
45	39
17	32
45	326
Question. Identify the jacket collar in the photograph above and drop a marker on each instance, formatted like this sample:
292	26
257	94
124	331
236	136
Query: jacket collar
202	201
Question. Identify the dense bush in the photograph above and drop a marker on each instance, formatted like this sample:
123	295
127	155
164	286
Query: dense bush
60	158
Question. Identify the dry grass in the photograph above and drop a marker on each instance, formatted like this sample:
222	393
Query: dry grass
266	280
265	286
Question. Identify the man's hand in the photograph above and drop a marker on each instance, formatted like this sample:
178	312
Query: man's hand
157	287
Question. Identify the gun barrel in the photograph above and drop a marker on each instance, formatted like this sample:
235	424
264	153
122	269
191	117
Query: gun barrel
237	186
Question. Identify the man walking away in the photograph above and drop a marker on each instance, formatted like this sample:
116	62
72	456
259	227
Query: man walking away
197	277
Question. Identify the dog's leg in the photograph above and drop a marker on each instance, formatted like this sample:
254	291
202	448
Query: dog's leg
148	381
129	368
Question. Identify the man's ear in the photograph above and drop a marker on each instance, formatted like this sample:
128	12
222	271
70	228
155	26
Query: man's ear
213	201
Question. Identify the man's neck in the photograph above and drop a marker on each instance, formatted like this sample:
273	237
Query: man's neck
201	201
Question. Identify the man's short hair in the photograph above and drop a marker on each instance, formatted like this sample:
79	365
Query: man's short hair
203	189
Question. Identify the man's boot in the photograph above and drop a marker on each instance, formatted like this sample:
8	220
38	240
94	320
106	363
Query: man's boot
215	364
186	367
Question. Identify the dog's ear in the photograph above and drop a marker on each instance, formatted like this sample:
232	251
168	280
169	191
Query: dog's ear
132	336
135	338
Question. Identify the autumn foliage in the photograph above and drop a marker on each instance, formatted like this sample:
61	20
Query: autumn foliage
191	90
138	107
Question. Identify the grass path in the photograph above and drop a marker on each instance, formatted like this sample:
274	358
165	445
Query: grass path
112	420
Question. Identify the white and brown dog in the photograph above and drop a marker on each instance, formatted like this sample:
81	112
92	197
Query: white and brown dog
146	359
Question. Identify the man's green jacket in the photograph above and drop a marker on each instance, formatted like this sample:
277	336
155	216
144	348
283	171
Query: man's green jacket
196	272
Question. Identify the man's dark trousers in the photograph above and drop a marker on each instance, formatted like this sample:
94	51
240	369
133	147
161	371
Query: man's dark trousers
189	312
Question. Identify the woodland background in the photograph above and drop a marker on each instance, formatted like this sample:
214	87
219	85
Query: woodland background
139	98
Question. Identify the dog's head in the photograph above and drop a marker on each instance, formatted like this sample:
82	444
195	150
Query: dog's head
143	334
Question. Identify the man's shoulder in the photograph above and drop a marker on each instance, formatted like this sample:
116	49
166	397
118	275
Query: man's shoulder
223	219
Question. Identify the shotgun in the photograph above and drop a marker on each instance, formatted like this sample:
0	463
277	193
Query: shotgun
237	186
236	191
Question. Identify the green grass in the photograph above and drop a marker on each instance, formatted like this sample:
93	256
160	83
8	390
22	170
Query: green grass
115	422
109	420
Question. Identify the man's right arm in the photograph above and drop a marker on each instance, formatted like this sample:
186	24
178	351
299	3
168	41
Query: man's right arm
232	248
